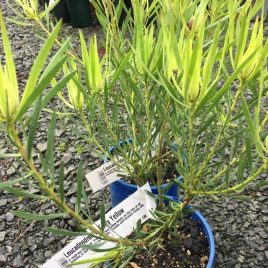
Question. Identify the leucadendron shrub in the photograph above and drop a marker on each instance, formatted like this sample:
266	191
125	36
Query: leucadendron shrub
187	81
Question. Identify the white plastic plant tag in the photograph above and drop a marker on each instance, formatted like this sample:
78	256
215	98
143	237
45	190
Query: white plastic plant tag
104	175
121	221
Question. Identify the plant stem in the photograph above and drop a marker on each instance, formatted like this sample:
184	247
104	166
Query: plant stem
54	197
235	187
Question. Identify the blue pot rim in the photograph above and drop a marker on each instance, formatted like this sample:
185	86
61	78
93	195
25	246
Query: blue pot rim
134	186
209	235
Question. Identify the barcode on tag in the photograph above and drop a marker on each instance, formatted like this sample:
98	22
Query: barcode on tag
102	177
63	262
105	174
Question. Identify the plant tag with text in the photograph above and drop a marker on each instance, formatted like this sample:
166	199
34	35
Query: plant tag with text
120	222
104	175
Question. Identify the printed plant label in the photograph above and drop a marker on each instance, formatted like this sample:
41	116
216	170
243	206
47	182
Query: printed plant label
104	175
120	222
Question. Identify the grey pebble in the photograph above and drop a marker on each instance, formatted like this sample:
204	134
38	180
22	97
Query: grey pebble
107	207
247	224
266	254
251	232
2	236
3	202
230	207
48	253
265	211
3	259
59	132
71	191
66	158
11	171
263	234
265	219
94	155
42	147
18	262
72	150
241	258
9	217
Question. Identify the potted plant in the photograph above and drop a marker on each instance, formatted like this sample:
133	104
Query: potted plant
183	91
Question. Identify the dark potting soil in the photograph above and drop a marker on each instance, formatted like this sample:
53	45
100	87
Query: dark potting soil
188	248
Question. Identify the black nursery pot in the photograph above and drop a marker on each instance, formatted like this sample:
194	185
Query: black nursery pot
60	11
80	14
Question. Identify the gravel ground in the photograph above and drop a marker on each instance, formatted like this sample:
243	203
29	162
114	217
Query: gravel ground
240	227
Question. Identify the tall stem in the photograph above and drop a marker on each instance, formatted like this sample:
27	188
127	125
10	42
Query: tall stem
219	137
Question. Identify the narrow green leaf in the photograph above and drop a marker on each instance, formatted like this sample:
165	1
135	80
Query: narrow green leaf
51	164
242	197
9	156
211	59
7	184
66	233
262	184
119	70
8	53
38	65
53	92
20	23
80	176
85	58
249	152
61	182
56	59
167	198
50	142
241	168
171	89
85	200
138	228
22	193
33	95
96	248
33	126
37	217
93	261
253	130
